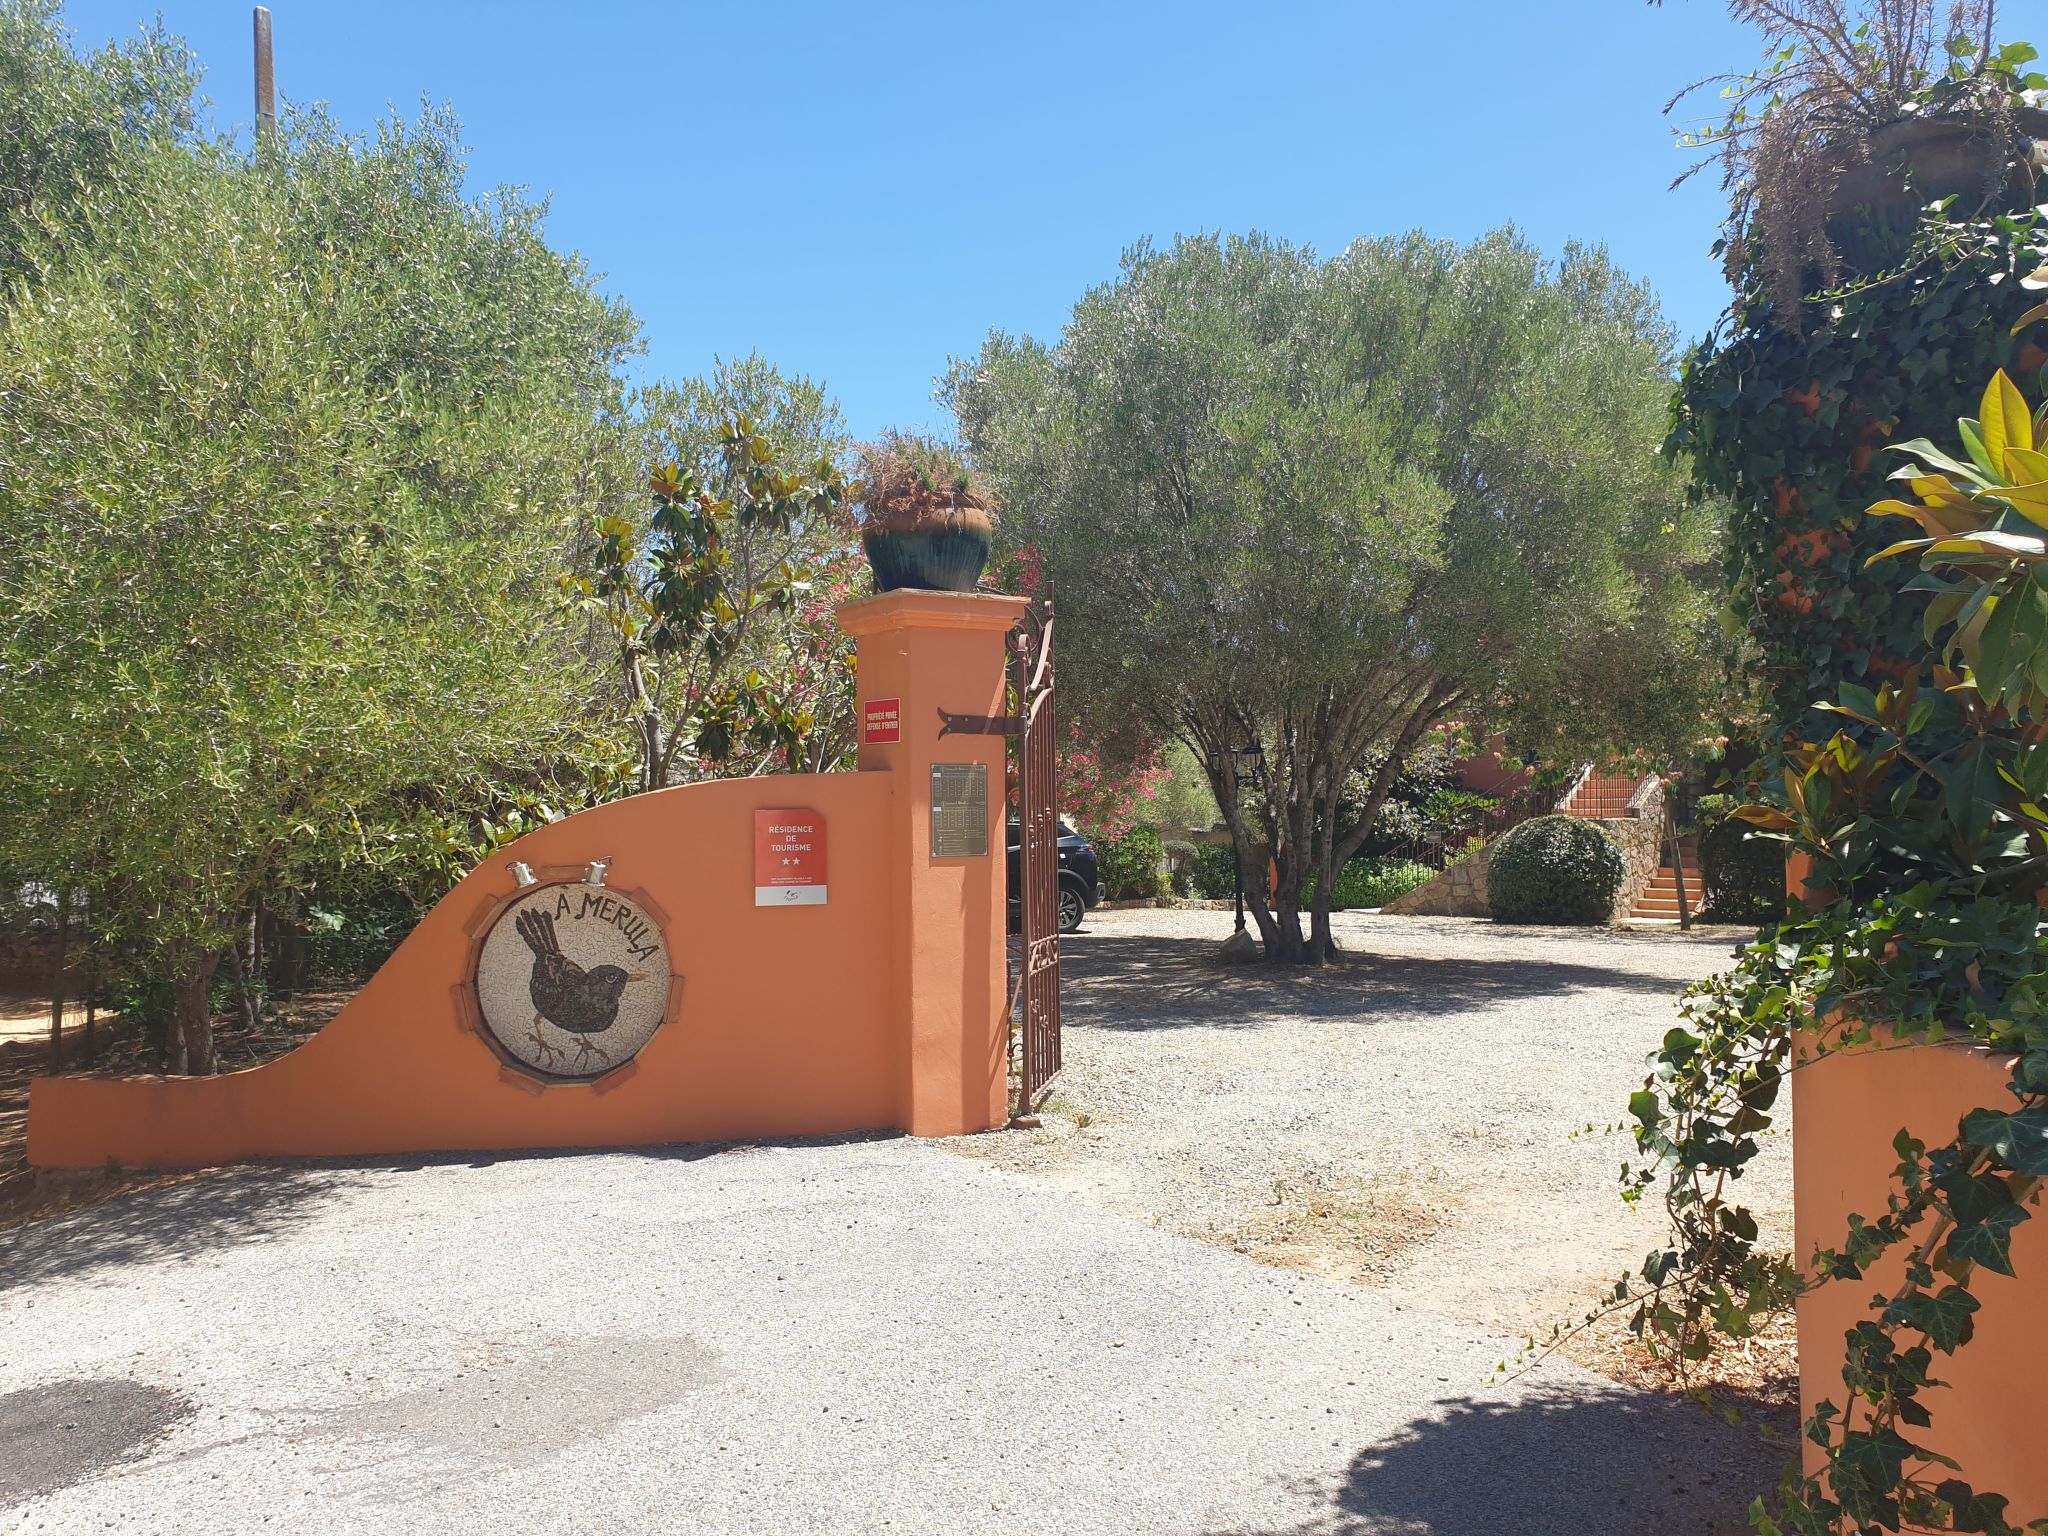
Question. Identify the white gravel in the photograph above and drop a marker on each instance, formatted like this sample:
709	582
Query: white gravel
1429	1093
874	1337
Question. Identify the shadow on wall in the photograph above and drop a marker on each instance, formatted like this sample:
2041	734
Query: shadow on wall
1115	982
1551	1463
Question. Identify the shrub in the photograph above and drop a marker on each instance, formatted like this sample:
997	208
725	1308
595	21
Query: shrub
1213	873
1375	882
1554	869
1742	878
1129	866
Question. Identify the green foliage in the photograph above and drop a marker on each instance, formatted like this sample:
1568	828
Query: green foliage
1326	505
682	595
1925	818
292	444
1790	430
1741	874
1375	882
1213	875
1554	869
1180	800
1129	866
70	125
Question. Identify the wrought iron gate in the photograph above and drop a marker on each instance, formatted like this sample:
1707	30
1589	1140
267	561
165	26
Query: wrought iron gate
1035	982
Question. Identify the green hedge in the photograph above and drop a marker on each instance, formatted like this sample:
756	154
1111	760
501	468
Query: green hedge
1212	874
1554	869
1129	866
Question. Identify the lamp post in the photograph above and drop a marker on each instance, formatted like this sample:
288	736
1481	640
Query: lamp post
1242	759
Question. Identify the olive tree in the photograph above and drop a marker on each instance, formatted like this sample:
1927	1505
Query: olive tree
1325	506
291	451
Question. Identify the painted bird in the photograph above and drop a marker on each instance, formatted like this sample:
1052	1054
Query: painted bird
584	1003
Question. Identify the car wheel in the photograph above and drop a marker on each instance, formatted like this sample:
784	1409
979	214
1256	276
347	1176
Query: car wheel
1072	908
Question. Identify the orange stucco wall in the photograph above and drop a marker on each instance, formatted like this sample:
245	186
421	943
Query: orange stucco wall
1846	1107
883	1007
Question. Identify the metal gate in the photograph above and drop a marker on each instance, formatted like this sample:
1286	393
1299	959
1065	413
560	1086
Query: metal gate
1035	989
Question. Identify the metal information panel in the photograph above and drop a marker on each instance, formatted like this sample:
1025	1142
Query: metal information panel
959	810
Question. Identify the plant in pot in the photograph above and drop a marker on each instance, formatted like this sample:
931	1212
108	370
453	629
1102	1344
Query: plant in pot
926	520
1923	825
1859	118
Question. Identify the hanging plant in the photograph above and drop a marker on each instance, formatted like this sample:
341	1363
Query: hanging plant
1854	123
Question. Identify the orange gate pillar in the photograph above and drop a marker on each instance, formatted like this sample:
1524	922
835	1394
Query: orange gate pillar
921	653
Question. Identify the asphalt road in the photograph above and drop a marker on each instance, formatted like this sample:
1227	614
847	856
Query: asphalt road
871	1336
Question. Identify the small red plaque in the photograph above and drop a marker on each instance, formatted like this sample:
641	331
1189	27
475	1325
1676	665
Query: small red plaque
881	721
789	859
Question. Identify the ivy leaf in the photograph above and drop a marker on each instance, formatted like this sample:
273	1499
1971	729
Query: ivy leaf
2019	1140
1945	1316
1987	1241
1970	1510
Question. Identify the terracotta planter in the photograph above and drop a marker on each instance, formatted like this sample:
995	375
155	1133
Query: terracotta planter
1845	1108
938	557
1875	208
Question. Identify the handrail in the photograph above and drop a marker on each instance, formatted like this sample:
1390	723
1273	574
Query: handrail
1585	773
1640	798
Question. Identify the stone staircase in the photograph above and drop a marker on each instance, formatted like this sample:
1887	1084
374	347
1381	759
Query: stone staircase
1658	905
1600	797
1606	797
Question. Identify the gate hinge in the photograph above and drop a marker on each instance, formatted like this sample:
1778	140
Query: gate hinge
951	724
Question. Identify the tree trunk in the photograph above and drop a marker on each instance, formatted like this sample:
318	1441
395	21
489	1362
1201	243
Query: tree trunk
1678	874
57	998
192	1017
245	995
92	1004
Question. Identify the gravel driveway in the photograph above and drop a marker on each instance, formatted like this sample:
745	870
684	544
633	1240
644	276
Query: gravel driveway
1413	1117
856	1337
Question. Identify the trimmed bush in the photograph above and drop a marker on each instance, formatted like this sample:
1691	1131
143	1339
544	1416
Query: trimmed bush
1129	867
1554	869
1741	877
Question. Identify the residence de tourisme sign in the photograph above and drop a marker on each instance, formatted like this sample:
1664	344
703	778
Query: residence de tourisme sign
789	858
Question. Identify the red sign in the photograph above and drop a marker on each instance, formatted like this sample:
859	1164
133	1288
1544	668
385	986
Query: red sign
881	721
789	859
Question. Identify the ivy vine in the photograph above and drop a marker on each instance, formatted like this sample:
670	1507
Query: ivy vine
1790	429
1924	818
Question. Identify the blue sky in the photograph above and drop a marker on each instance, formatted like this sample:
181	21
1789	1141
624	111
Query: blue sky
859	191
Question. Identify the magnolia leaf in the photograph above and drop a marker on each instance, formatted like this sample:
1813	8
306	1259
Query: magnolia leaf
1924	450
2038	312
1979	451
2007	421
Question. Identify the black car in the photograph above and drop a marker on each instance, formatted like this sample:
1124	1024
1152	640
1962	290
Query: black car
1080	887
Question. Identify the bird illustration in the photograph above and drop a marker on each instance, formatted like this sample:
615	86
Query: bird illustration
584	1003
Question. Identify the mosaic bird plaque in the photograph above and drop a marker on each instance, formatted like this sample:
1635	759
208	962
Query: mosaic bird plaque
572	980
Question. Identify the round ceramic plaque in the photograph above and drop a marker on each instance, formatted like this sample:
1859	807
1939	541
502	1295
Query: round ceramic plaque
572	980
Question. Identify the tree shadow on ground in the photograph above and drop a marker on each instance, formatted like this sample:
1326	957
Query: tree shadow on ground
177	1217
1555	1463
1141	983
167	1223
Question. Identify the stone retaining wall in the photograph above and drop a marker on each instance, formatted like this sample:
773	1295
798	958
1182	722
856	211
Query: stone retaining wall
1460	890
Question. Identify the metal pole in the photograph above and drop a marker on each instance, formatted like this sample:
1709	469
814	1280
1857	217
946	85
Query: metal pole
266	79
1237	882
